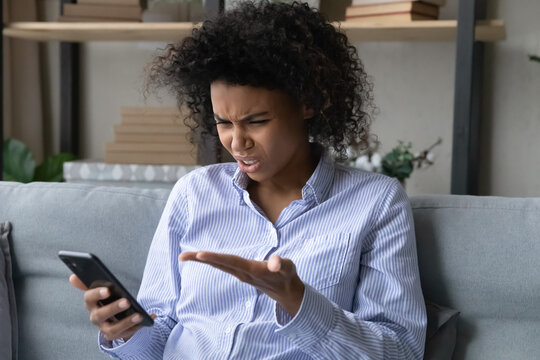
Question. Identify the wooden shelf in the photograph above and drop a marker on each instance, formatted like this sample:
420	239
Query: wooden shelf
438	30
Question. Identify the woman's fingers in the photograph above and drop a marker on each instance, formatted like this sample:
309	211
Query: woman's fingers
236	265
92	297
103	313
124	328
101	316
283	265
225	260
188	255
112	330
231	264
268	275
274	263
75	281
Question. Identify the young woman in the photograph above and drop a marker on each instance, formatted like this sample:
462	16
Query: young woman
283	254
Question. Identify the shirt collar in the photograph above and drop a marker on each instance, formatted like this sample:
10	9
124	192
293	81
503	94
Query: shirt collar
319	184
317	187
240	181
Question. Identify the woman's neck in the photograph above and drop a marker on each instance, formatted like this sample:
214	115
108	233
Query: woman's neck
294	178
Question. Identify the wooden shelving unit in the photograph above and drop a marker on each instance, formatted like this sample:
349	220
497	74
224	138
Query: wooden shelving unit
469	32
438	30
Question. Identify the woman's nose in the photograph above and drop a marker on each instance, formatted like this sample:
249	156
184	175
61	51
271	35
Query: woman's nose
240	140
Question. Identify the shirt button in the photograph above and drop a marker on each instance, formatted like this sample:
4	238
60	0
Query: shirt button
248	304
292	336
227	330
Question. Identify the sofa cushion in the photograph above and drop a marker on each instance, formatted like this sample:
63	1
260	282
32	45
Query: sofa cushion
8	308
441	332
479	254
116	224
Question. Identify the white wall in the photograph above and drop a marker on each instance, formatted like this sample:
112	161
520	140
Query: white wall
511	131
112	75
414	89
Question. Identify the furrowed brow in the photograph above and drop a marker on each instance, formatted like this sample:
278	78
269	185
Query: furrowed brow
246	118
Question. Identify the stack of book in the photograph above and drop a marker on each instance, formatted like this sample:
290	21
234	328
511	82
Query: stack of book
393	10
151	135
102	11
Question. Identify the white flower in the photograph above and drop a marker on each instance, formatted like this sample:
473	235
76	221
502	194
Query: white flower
363	163
430	156
376	160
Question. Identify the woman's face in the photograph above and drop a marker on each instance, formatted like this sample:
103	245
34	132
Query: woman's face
264	130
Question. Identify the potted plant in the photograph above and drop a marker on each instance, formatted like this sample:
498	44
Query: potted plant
399	163
19	164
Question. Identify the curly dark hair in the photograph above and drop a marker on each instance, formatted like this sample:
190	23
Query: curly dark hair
289	47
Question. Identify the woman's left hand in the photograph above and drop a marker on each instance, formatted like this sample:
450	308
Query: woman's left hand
276	277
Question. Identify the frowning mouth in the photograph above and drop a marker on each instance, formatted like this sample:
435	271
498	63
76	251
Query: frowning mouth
248	165
250	162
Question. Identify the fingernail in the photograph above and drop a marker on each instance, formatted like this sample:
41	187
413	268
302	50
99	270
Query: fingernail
103	291
136	318
123	304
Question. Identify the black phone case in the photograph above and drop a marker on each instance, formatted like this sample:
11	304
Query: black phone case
93	273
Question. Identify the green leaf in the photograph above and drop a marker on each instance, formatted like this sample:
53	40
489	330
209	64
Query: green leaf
52	168
19	162
399	162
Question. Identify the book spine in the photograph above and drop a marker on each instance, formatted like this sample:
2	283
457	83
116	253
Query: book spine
110	2
103	11
136	138
112	157
153	120
150	129
390	18
401	13
372	2
150	147
63	18
397	8
149	111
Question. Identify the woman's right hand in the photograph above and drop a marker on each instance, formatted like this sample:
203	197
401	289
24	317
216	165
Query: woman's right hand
99	315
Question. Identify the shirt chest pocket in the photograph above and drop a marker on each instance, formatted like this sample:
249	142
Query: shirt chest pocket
320	261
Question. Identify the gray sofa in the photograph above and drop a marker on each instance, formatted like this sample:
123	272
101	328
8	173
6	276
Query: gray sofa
479	255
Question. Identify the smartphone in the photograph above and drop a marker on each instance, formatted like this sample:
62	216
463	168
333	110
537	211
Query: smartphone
93	273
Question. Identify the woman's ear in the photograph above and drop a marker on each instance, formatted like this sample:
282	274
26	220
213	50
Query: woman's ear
308	113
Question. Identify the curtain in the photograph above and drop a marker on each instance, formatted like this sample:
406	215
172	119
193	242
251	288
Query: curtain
23	115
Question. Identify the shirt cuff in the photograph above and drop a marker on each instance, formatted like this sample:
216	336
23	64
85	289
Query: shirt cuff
120	349
312	322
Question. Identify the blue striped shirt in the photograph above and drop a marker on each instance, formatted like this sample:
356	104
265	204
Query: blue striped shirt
351	237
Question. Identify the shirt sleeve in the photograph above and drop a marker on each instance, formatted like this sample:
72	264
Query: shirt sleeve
388	320
160	286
